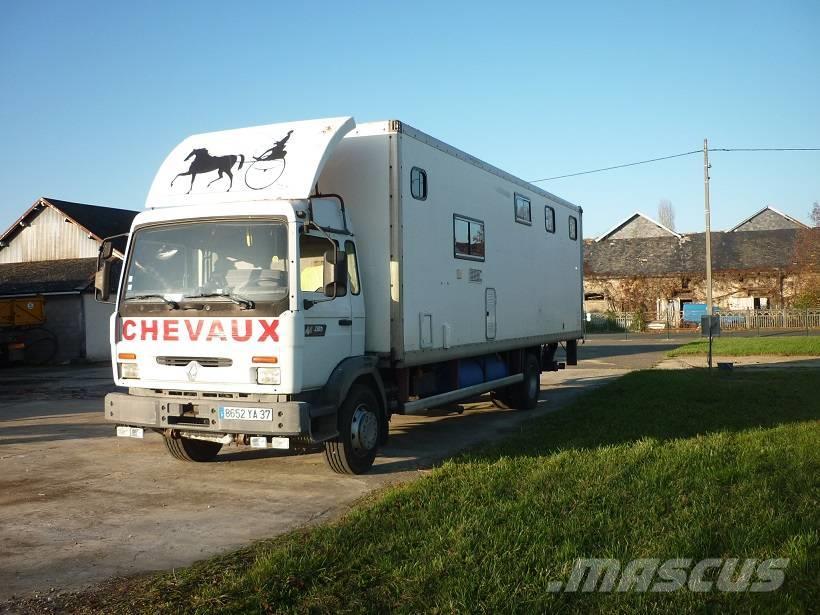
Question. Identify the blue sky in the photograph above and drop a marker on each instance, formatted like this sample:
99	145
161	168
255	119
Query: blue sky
93	95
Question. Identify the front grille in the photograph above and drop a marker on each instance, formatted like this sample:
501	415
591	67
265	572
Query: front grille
203	361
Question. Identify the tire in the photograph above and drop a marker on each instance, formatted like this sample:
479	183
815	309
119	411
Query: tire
530	387
186	449
524	395
354	449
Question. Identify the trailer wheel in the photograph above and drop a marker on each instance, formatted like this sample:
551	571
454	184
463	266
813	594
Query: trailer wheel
354	449
524	395
186	449
530	387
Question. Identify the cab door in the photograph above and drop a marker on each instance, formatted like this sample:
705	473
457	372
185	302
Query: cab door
328	330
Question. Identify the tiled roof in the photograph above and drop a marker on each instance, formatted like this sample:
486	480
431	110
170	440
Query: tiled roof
660	256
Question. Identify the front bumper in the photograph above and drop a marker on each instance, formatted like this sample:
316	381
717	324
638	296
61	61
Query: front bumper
292	418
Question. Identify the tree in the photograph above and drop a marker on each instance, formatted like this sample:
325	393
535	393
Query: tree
815	213
666	214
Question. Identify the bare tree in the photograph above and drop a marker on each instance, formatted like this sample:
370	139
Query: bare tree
815	213
666	214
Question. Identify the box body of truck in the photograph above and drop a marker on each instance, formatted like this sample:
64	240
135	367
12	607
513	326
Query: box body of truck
428	299
324	276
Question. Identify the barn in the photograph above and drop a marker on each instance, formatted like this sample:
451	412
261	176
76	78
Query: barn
47	263
768	260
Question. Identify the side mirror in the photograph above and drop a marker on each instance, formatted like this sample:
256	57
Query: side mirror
334	275
107	250
102	279
102	282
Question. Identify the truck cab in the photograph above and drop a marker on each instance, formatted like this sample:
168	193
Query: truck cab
240	318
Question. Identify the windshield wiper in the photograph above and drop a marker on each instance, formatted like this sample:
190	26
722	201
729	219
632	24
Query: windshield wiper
172	304
245	303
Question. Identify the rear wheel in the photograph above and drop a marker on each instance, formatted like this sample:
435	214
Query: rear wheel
354	449
523	395
186	449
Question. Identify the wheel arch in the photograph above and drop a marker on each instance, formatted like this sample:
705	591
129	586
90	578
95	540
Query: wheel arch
362	369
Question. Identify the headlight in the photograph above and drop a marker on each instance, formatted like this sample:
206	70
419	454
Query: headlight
268	375
129	370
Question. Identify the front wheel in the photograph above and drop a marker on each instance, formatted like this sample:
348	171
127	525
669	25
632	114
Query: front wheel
354	449
187	449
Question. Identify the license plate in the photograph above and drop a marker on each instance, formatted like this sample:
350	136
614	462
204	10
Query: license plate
237	413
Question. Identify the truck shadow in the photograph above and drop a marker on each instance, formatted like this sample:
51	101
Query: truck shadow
267	453
424	441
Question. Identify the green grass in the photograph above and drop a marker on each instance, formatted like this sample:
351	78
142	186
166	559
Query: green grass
747	346
666	464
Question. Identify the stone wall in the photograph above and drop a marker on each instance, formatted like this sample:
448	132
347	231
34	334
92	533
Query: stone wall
646	294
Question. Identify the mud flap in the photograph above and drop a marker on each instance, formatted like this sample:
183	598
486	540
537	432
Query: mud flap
548	363
572	352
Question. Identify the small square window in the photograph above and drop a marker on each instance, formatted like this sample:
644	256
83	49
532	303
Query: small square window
523	213
418	183
573	228
468	238
549	219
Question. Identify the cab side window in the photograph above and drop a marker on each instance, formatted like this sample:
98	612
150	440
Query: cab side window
352	267
311	263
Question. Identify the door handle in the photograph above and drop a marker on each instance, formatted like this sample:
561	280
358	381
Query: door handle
345	322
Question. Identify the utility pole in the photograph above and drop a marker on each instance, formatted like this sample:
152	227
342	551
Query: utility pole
709	307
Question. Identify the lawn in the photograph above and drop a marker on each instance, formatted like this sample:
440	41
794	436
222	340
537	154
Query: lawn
747	346
658	464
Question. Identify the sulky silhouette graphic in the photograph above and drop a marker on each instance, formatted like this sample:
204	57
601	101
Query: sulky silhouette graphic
268	167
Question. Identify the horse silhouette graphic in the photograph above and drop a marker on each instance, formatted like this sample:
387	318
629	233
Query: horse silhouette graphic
203	162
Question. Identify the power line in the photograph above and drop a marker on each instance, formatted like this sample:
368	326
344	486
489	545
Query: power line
618	166
697	151
764	149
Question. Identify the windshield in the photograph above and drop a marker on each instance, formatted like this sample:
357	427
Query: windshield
247	259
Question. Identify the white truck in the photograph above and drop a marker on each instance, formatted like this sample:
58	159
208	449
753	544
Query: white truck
306	281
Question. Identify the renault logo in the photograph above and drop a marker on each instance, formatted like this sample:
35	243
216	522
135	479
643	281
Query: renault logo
192	370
